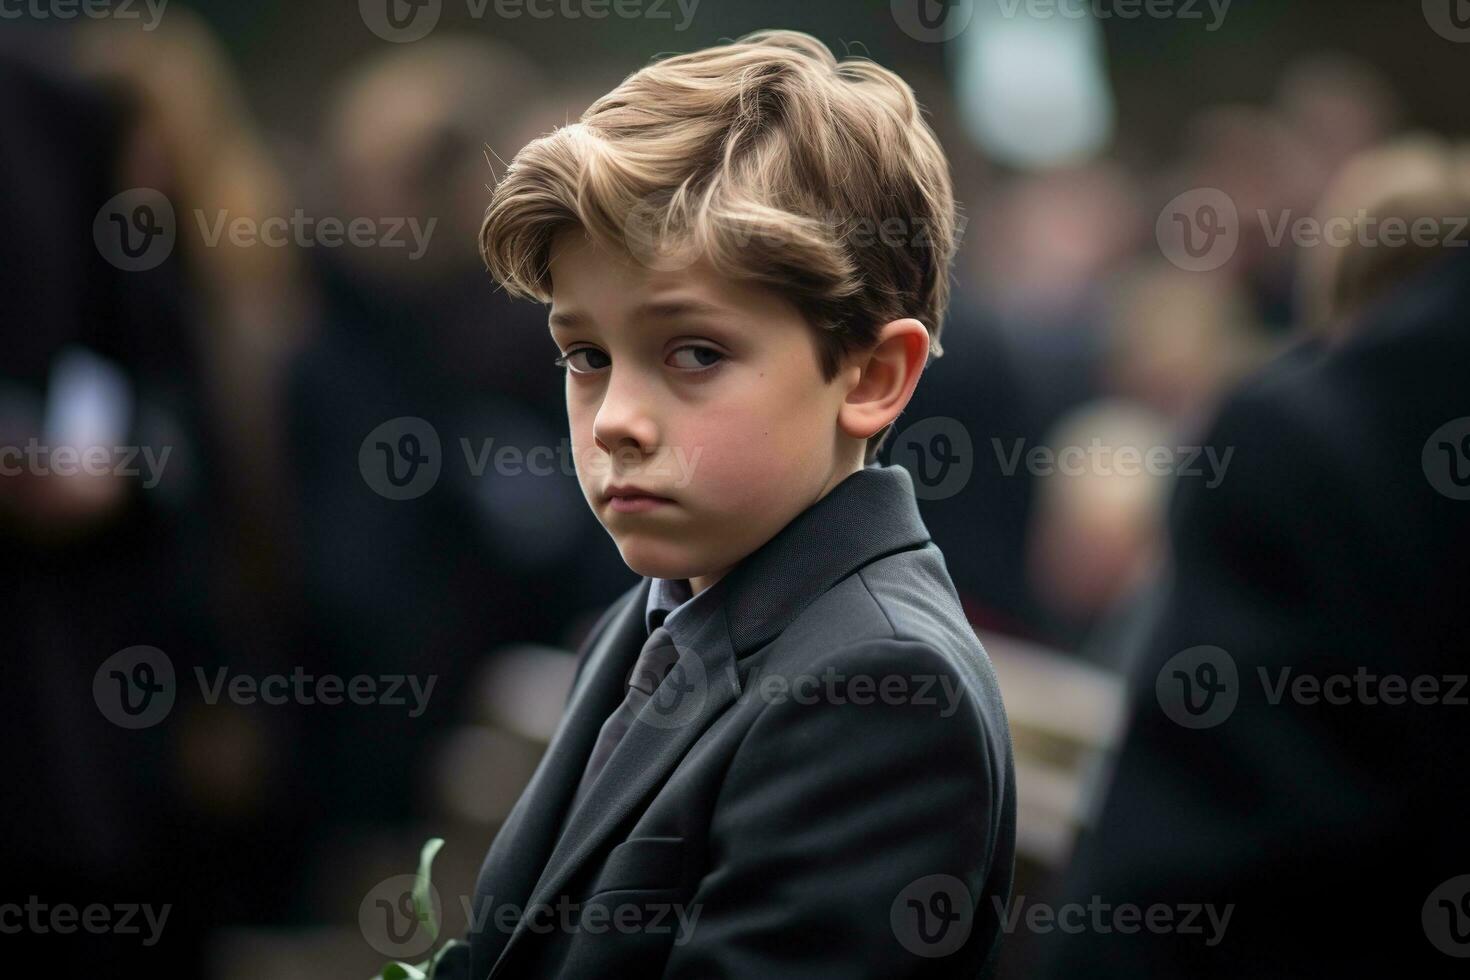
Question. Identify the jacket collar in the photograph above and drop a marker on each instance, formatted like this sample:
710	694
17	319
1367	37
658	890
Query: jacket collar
871	513
667	596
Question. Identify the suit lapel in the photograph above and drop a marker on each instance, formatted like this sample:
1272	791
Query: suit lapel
520	850
699	688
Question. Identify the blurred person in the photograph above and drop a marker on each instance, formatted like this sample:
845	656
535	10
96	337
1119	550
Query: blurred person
1037	249
105	360
1093	540
1338	105
405	141
194	137
1047	237
1391	210
1170	342
210	345
1267	168
1175	339
1299	804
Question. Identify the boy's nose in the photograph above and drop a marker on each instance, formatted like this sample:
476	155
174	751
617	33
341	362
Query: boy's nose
626	416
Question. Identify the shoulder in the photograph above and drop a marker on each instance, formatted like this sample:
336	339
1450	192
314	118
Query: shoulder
906	598
896	621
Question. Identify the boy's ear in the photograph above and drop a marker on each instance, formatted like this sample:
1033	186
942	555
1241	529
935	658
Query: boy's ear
886	376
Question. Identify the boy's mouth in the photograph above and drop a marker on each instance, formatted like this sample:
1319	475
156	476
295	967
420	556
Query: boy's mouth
631	500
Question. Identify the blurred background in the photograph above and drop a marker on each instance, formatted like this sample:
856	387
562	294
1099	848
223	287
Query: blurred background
240	275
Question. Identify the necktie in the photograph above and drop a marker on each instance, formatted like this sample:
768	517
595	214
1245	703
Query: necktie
654	660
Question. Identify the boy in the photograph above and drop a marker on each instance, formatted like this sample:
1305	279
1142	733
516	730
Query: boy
784	754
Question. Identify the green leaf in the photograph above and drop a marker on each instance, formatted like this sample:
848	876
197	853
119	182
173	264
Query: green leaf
423	907
424	912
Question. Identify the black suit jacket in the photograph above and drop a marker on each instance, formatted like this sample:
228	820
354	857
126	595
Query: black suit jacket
842	830
1326	550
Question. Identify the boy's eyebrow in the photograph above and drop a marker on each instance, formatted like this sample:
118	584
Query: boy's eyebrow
660	309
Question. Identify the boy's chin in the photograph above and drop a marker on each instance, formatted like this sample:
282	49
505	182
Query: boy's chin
659	560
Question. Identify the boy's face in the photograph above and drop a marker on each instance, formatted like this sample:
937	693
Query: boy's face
698	389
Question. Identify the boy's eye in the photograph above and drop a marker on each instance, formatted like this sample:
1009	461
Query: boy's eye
702	357
696	357
568	360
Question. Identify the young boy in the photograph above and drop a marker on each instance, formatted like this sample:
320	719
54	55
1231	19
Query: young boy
784	754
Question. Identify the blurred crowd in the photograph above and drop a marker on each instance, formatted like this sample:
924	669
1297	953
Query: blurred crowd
263	547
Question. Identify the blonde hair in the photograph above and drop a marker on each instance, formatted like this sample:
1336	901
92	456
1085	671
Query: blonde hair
1417	177
781	165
